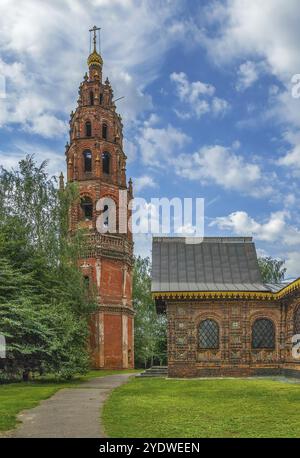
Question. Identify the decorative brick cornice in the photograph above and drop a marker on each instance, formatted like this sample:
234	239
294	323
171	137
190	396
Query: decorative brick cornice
255	295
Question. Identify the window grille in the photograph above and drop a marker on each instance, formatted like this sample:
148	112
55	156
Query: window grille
297	321
208	334
263	334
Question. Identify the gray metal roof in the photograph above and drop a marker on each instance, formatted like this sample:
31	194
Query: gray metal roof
215	264
275	287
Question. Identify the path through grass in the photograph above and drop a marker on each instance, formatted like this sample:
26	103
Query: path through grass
15	397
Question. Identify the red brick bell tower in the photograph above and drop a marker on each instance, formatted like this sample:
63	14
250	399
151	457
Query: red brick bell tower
96	160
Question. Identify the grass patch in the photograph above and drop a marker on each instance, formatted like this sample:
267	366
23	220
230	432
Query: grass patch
203	409
15	397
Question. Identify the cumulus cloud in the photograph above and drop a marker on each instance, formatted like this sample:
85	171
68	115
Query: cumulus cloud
292	263
275	229
159	145
44	46
290	200
248	73
130	149
268	29
278	234
55	160
142	182
292	158
223	166
198	98
265	36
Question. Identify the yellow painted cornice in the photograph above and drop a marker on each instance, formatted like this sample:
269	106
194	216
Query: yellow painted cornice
288	289
249	295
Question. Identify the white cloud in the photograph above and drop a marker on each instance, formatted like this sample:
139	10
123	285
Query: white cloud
265	35
142	245
283	108
275	229
212	164
159	145
292	158
142	182
268	29
198	97
47	125
130	150
44	46
293	264
25	104
290	200
152	120
248	73
278	234
55	161
224	167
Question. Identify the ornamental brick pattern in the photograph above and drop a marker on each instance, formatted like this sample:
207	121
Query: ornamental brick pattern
96	161
235	355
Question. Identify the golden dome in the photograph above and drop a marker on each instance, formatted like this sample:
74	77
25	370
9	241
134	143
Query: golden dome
94	59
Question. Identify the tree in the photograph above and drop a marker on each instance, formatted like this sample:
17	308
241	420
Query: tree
272	270
44	305
150	328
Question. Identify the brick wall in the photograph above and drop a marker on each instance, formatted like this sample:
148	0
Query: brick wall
235	355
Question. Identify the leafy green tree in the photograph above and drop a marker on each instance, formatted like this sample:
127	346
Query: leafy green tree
272	270
150	328
44	305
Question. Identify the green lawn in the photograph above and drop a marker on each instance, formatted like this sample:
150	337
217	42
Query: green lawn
15	397
203	408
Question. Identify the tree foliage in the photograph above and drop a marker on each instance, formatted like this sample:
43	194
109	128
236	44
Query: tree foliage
272	270
44	305
150	328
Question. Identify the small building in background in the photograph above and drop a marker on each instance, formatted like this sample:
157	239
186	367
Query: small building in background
222	319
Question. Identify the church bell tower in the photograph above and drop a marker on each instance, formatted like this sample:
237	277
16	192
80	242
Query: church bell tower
96	161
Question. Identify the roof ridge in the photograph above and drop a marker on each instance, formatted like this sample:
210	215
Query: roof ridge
203	239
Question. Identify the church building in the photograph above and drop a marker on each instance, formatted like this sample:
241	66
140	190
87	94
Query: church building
222	319
97	162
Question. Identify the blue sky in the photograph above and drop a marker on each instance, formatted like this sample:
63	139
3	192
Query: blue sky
208	108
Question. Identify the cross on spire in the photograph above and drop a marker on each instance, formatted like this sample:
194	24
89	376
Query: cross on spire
95	30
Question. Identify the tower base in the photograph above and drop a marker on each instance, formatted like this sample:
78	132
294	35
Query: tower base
112	337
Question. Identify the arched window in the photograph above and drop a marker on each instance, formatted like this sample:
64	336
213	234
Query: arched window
106	220
91	98
263	334
208	335
101	99
104	131
297	321
86	281
106	163
88	129
87	208
87	158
